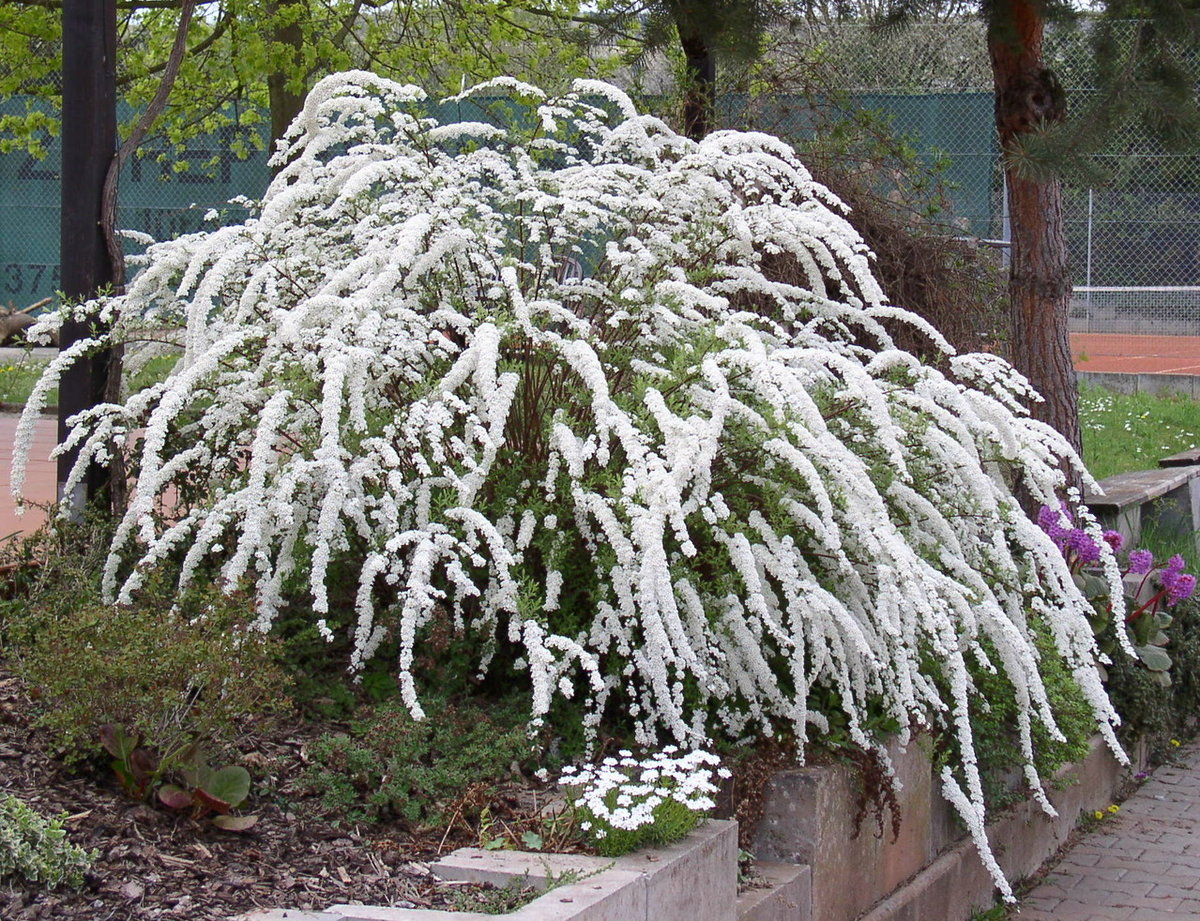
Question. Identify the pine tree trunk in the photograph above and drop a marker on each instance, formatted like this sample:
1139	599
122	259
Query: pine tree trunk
1029	96
699	101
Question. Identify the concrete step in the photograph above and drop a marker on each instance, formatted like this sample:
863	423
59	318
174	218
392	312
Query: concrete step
783	892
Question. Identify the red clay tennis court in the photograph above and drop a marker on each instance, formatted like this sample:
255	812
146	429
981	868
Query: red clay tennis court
1130	354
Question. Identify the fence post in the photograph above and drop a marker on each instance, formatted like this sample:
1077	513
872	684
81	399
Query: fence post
89	140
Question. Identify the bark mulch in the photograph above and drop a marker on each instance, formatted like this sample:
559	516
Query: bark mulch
152	863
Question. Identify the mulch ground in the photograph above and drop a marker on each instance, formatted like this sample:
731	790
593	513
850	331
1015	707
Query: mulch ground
153	863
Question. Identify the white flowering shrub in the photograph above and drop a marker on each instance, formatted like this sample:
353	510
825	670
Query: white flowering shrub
621	408
625	803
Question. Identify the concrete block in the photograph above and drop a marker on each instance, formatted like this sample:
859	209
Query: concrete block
1110	380
694	879
1167	384
955	885
288	914
382	913
611	895
475	865
808	818
614	895
784	893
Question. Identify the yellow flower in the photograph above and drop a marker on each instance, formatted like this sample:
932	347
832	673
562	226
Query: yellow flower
1174	743
1098	814
1114	808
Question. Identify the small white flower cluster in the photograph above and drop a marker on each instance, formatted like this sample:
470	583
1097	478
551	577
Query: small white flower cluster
624	792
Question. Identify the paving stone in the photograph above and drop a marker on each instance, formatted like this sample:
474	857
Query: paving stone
1141	865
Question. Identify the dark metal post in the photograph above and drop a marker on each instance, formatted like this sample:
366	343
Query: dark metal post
89	140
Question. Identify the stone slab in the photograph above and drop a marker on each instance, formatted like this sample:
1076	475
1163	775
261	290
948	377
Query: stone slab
382	913
695	879
1187	458
784	893
289	914
610	895
1139	486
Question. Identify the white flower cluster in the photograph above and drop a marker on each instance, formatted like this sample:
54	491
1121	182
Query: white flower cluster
624	792
621	408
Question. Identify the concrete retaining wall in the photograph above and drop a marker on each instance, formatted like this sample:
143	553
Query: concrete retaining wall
1184	385
812	864
932	871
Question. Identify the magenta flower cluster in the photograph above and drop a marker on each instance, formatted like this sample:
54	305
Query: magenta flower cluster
1081	549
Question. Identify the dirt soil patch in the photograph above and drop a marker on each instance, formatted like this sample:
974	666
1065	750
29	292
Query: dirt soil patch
153	863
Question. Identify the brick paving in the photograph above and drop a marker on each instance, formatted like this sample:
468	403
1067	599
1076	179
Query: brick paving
1142	864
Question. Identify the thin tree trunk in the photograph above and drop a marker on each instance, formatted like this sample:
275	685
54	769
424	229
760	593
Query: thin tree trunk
1028	96
285	103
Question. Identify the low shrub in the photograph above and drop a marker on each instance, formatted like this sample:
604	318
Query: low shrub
1148	710
625	803
167	671
35	849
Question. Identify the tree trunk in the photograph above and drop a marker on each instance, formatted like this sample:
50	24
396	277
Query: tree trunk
700	92
693	22
287	60
1028	96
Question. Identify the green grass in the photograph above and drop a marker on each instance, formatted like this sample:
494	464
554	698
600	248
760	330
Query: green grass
17	378
1124	432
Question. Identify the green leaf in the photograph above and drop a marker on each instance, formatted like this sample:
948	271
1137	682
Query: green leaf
117	741
1154	658
229	785
1091	585
532	840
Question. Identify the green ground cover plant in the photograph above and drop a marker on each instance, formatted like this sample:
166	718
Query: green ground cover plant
36	849
17	378
157	684
390	766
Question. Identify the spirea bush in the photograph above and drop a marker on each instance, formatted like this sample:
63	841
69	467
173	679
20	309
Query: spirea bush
622	408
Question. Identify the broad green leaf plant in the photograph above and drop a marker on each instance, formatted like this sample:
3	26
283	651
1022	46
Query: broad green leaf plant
621	409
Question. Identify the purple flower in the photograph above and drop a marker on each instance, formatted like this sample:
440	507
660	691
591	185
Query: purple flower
1050	521
1181	588
1114	540
1141	562
1085	546
1175	563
